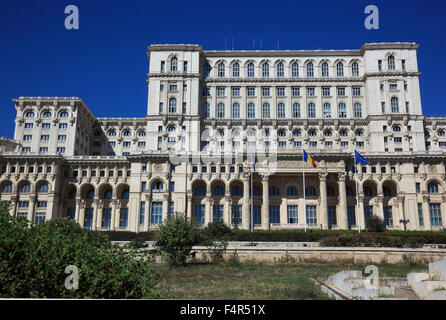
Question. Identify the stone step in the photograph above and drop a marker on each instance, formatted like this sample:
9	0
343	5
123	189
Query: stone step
437	269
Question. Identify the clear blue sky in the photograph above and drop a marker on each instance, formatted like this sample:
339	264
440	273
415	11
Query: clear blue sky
105	63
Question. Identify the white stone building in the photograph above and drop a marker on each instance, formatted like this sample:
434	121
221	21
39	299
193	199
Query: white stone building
207	113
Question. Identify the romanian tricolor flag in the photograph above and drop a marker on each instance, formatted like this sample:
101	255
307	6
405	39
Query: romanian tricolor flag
308	159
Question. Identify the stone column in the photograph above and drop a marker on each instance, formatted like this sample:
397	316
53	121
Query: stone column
343	220
361	211
265	205
245	207
95	214
426	213
323	198
82	213
208	210
400	201
113	215
99	214
32	209
227	210
15	201
148	212
380	199
189	206
77	209
165	207
117	213
443	210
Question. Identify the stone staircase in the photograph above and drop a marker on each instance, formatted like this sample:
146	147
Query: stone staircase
432	285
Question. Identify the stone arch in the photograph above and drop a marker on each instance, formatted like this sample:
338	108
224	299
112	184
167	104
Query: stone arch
393	188
68	189
438	182
38	183
196	183
5	182
120	189
218	188
369	188
104	190
20	183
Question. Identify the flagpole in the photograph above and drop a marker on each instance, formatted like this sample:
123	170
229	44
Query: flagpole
303	178
357	196
252	202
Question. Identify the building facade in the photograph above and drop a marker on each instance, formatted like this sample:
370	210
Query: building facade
210	115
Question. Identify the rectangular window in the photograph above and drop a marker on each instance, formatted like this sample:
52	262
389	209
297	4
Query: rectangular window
157	213
206	112
206	92
251	92
40	217
326	92
435	214
46	126
356	92
71	213
185	66
236	215
62	137
420	214
236	92
368	212
28	125
88	220
265	92
393	87
332	219
295	92
171	208
217	213
351	218
310	92
123	217
45	137
281	92
388	218
297	144
220	92
106	218
341	92
60	150
257	215
199	213
43	149
292	214
311	215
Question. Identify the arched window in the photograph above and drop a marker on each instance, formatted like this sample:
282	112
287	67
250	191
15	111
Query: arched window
112	133
236	70
273	191
250	70
220	110
280	71
367	191
127	133
342	110
311	112
327	110
125	194
391	63
359	133
357	110
157	186
141	134
281	133
394	104
312	133
330	191
355	70
291	191
7	187
295	70
440	133
235	111
343	133
43	188
310	191
174	64
328	133
25	188
251	110
237	191
265	70
221	70
396	128
310	70
108	194
325	72
340	69
432	187
297	133
218	191
90	194
29	114
172	105
266	110
46	114
200	191
296	110
63	114
281	110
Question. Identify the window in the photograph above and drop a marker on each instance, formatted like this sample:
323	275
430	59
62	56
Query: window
420	214
296	110
265	92
29	114
432	187
342	110
250	70
388	218
251	92
265	70
351	218
157	186
310	70
273	191
236	215
29	125
173	87
311	110
163	63
251	110
325	69
311	215
355	70
356	92
27	137
206	70
44	137
391	63
310	191
235	111
172	105
43	149
62	137
357	110
294	70
393	87
291	191
236	92
218	191
266	110
220	110
25	188
280	71
295	92
340	69
40	217
281	92
7	188
281	110
292	214
394	104
327	110
274	214
217	213
199	214
435	214
206	111
174	64
63	114
310	92
341	92
325	91
221	70
106	217
157	213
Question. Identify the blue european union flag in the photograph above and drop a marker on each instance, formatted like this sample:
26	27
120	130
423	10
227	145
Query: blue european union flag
360	159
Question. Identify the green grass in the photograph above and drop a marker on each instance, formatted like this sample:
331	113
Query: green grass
287	281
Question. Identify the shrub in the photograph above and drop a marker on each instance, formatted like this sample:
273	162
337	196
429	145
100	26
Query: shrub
33	262
176	237
217	230
375	224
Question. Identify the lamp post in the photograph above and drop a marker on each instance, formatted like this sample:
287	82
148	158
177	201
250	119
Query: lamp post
404	222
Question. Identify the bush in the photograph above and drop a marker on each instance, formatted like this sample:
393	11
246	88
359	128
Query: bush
176	237
375	224
33	262
218	230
